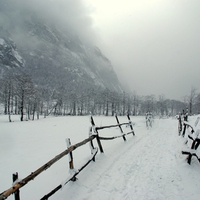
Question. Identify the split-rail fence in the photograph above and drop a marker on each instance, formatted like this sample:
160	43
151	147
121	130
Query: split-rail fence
191	133
93	134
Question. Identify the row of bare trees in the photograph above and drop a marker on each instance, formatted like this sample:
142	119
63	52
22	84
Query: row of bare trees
16	92
20	96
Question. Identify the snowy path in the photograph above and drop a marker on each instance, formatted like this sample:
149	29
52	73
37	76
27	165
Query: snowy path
145	168
148	166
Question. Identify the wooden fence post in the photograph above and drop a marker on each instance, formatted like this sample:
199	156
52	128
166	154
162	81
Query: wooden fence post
179	125
71	163
91	144
16	194
97	135
120	128
130	124
184	129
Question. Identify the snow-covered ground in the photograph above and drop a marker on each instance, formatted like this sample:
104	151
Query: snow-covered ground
148	166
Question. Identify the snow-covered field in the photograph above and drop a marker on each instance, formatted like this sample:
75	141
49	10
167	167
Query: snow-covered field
148	166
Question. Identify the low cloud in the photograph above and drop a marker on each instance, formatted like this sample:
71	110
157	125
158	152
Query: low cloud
68	15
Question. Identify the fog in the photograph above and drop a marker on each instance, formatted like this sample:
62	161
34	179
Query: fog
152	44
68	15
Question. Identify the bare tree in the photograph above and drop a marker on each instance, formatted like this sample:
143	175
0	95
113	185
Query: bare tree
197	104
135	101
10	93
7	94
191	99
162	105
24	89
149	103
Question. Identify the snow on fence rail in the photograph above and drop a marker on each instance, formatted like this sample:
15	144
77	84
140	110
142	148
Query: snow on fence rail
191	132
93	133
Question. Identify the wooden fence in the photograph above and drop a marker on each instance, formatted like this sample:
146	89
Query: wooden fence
191	133
93	134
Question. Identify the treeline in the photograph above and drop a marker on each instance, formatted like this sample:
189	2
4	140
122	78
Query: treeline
20	96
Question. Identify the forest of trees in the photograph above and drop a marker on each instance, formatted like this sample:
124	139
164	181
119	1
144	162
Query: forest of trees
20	96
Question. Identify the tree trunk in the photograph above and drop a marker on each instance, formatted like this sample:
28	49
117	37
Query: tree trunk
107	108
22	107
74	108
9	97
16	106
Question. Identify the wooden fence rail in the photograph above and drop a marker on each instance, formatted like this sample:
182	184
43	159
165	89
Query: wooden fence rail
93	133
30	177
71	177
95	129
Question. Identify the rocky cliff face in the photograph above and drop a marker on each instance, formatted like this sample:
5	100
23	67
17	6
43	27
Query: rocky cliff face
52	57
9	56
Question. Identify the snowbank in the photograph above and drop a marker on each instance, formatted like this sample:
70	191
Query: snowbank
147	166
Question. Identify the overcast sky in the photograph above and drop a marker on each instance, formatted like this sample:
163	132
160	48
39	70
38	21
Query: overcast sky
154	45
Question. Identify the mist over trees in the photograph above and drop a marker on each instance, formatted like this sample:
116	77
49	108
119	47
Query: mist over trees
20	96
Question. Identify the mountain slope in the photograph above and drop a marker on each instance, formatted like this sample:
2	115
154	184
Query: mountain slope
53	56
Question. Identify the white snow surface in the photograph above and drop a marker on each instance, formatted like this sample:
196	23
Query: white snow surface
148	166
